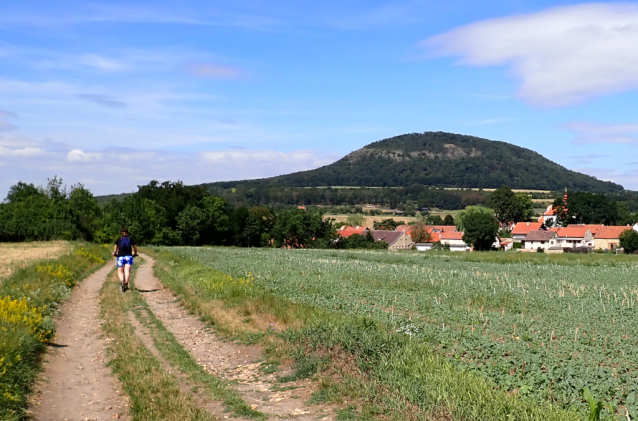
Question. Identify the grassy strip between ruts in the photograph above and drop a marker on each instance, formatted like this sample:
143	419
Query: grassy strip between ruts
358	358
177	356
28	300
155	394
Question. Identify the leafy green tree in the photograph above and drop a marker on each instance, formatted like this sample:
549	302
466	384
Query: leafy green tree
434	220
511	207
629	241
386	224
192	225
479	226
623	214
448	220
586	208
296	228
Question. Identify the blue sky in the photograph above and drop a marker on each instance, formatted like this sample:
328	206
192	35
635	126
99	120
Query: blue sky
115	94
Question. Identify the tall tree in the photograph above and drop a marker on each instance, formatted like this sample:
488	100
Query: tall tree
480	229
511	207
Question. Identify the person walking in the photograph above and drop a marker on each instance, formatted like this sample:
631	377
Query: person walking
125	249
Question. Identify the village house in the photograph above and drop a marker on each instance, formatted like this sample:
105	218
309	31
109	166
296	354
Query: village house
605	237
540	239
454	240
435	237
397	240
574	237
522	229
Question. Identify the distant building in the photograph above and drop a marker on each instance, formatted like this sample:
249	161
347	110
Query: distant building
397	240
521	230
574	237
540	239
454	240
347	231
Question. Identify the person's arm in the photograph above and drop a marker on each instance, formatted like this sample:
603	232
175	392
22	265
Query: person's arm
134	249
115	250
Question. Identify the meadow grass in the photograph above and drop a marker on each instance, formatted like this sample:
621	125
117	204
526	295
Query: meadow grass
357	356
28	300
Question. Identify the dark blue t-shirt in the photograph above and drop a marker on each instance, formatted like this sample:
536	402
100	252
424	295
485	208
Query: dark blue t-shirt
124	250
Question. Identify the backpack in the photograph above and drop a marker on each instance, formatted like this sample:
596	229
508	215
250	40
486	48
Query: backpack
125	242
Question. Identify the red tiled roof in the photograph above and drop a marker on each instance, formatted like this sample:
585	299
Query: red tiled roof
611	233
348	231
571	232
452	235
524	228
593	228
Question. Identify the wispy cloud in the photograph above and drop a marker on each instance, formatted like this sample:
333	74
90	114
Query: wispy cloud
562	55
591	133
214	71
134	167
103	100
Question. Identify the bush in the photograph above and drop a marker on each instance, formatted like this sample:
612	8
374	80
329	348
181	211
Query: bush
629	241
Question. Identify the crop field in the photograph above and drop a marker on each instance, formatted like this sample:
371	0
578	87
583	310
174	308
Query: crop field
541	327
15	255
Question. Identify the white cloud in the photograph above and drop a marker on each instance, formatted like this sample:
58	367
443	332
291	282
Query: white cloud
119	170
77	155
22	152
562	55
102	63
590	133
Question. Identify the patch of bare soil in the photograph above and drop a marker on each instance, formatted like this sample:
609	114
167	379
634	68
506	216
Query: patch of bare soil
15	255
230	361
75	383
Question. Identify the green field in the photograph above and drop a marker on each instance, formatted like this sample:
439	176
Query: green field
541	327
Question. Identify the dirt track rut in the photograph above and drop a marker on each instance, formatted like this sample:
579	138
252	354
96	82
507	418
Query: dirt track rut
75	384
228	360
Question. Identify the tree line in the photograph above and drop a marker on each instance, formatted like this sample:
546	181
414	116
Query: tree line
167	213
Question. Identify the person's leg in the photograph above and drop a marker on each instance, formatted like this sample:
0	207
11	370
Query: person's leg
127	273
120	273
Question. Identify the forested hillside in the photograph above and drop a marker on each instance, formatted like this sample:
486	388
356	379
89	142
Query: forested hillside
442	160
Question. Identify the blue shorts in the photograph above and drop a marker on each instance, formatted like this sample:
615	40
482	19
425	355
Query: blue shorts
124	260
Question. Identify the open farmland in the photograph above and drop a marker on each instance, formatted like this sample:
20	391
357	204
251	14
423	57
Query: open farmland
14	255
542	327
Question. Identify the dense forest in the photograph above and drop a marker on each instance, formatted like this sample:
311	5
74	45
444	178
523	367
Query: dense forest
437	159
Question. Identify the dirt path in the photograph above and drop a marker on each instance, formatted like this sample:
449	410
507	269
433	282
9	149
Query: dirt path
228	360
75	384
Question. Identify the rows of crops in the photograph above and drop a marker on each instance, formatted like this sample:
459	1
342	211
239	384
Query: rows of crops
539	330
